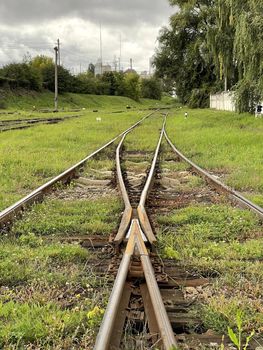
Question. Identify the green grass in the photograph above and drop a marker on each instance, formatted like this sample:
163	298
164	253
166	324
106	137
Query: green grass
219	240
145	137
225	143
49	299
24	263
32	156
221	313
71	217
215	222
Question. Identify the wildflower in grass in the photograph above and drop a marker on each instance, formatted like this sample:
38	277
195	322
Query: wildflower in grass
94	316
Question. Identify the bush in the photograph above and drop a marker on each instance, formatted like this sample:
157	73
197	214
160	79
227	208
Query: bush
199	98
247	96
24	75
151	88
3	104
65	79
132	87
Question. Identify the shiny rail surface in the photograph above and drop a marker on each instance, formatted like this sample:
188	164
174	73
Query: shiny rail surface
237	197
136	221
9	214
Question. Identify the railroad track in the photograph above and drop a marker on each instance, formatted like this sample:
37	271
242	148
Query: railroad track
138	282
8	215
135	269
146	297
20	124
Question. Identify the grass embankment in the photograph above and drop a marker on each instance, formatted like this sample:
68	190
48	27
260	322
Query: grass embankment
228	144
27	100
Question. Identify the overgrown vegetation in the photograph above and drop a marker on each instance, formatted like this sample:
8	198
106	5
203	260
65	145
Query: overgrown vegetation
71	217
225	243
49	297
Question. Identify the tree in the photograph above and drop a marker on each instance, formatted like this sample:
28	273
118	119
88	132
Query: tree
65	79
151	88
213	45
132	86
91	68
220	39
23	75
85	83
248	52
41	61
183	58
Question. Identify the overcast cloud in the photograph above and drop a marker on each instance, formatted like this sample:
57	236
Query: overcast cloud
34	25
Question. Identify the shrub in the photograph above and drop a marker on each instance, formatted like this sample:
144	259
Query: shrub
151	88
24	75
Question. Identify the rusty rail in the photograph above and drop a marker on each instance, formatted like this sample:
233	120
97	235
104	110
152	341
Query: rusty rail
8	214
144	220
127	214
139	226
236	196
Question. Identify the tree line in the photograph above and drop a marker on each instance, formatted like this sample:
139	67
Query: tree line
212	46
38	73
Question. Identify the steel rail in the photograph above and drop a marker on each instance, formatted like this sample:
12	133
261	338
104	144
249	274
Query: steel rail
105	333
236	196
9	213
135	246
164	324
144	220
127	214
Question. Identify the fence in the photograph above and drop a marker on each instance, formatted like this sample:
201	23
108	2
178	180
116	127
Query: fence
223	101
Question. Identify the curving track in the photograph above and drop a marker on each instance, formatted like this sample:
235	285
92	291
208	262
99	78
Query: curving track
10	213
136	222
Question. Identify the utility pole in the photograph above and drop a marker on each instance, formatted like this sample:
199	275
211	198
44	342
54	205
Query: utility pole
131	63
100	51
56	79
120	55
58	45
115	63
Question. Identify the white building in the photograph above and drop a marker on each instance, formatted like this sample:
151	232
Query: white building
101	68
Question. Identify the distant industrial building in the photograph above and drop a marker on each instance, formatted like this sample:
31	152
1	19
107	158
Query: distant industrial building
101	68
145	75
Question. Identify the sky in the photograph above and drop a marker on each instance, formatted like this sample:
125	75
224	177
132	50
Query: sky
33	26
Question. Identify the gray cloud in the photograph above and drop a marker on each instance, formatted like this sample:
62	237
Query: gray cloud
109	12
34	25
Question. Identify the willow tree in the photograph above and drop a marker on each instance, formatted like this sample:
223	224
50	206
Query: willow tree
220	39
248	51
183	56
